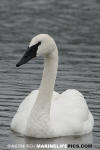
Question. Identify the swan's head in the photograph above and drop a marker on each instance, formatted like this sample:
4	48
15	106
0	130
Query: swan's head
40	45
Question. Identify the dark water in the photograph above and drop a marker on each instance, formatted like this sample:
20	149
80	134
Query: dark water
75	25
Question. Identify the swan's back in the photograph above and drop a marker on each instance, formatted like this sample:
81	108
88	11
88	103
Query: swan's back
70	114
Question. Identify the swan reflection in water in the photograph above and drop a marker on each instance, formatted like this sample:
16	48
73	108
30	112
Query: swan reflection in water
29	143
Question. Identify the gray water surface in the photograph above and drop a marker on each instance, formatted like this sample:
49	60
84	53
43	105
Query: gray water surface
75	25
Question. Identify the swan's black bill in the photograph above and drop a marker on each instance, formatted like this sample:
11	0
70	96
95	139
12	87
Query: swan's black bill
29	54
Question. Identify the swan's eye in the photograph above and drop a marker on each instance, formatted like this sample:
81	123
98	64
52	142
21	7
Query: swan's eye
32	49
39	43
34	46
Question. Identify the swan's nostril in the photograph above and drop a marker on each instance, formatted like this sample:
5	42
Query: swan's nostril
25	56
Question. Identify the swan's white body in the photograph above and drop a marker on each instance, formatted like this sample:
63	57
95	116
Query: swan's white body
47	114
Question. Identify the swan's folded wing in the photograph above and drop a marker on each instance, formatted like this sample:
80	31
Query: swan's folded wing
70	112
71	103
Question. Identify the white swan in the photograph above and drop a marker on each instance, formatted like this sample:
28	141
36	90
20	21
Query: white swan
44	113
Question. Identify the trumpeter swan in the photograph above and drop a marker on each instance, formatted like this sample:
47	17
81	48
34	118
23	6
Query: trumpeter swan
45	113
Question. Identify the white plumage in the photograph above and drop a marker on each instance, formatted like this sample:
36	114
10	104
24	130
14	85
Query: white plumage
45	113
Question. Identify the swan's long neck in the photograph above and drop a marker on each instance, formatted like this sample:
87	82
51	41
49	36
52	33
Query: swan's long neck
41	108
40	114
43	101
